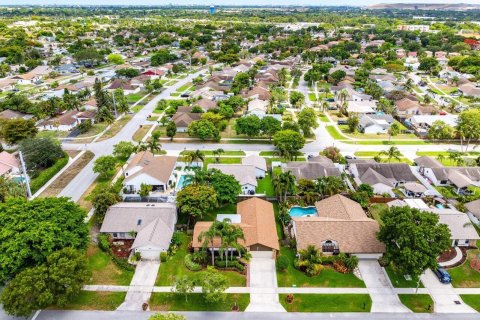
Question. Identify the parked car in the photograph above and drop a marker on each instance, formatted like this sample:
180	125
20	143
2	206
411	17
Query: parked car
443	275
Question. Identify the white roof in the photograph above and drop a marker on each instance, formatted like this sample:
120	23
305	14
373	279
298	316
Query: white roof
416	203
458	222
361	106
258	104
244	174
449	119
256	161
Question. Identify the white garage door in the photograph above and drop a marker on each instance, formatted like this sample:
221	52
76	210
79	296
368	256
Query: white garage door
262	254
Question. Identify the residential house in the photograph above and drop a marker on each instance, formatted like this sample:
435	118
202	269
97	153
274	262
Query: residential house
375	123
257	92
245	174
463	233
9	164
258	162
205	104
316	167
383	177
469	89
256	218
422	123
67	121
11	114
183	119
126	85
473	210
352	95
7	84
150	225
361	107
147	168
461	178
341	226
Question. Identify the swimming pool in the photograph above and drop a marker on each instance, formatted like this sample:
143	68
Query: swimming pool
183	181
302	211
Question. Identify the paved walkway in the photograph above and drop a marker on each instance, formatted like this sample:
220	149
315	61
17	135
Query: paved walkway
384	298
445	297
141	286
263	286
454	260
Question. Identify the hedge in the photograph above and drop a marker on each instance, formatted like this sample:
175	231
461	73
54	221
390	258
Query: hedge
47	174
190	264
230	265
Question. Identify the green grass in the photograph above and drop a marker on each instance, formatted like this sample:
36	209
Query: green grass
465	276
473	300
323	118
399	281
386	142
174	267
275	153
328	278
328	303
312	97
184	87
52	134
332	130
421	303
265	186
47	174
94	300
226	209
135	97
210	153
195	302
175	94
207	161
447	192
377	210
104	270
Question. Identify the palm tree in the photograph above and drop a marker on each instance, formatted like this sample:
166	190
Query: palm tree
154	146
217	153
194	156
342	96
230	235
440	157
283	184
454	157
324	106
207	238
343	108
408	85
329	186
391	153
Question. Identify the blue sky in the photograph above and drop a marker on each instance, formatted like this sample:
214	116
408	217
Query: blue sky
225	2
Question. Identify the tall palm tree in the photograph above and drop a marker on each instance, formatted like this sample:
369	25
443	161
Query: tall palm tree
391	153
230	234
342	96
194	156
283	184
441	157
154	146
329	186
207	238
324	106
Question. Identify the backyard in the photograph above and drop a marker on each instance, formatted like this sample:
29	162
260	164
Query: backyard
328	277
265	186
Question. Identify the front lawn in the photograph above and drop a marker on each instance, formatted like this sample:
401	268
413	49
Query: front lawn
265	186
209	160
104	270
195	302
328	278
135	97
398	280
210	153
140	133
465	276
47	174
174	267
328	303
473	300
417	302
334	133
94	300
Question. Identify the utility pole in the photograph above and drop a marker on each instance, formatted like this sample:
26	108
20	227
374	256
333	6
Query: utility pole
25	176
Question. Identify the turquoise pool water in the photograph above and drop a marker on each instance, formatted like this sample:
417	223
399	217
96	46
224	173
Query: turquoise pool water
182	182
302	211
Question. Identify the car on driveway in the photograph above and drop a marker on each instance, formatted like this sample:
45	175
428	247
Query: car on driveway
443	275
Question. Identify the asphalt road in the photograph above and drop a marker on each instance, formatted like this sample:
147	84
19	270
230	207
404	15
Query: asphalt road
140	315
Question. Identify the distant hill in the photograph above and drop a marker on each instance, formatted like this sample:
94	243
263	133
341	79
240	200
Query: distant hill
426	6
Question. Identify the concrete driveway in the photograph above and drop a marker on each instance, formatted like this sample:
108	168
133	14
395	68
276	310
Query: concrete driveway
379	287
444	296
141	286
263	286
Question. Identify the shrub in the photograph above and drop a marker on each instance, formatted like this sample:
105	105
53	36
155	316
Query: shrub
163	256
47	174
190	265
84	126
122	263
104	242
340	267
282	263
177	238
231	264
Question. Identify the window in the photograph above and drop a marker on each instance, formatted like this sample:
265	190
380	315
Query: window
139	222
121	235
114	235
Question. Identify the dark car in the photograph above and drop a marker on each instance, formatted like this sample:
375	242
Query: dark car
443	275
